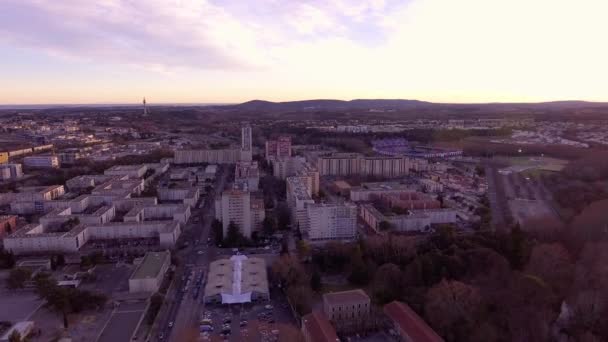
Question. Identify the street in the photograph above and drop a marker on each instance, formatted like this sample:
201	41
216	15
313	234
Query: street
183	307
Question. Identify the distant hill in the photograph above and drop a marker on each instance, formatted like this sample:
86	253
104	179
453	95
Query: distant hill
312	105
398	104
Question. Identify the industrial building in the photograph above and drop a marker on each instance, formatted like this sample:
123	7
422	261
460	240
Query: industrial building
238	279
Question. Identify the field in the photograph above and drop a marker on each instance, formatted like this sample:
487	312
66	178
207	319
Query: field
520	164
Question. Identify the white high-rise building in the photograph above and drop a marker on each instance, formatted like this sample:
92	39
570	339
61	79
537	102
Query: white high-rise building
298	197
234	206
239	207
246	138
331	222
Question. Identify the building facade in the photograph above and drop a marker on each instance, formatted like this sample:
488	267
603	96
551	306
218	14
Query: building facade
42	161
10	171
149	274
347	310
327	222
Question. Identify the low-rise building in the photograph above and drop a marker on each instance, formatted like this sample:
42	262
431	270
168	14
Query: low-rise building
366	191
10	171
186	194
42	161
149	274
316	327
238	279
131	171
408	326
347	310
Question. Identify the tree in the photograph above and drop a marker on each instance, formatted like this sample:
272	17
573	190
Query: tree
303	249
452	303
15	336
234	237
17	278
300	298
218	231
7	259
283	216
361	273
384	226
552	263
315	281
268	226
388	283
156	301
66	300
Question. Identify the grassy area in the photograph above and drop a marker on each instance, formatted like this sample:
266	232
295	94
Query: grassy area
539	163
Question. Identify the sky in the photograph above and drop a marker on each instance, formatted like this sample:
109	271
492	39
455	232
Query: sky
228	51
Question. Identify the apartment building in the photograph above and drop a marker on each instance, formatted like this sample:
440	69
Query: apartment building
299	195
247	175
347	310
286	167
367	191
278	149
10	171
416	220
350	164
312	174
218	156
327	222
42	161
130	171
239	207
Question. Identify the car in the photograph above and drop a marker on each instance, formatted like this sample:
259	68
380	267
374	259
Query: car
161	336
170	324
200	252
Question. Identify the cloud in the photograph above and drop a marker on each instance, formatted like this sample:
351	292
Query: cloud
463	50
174	34
171	34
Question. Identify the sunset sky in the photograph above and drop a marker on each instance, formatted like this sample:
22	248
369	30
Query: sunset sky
201	51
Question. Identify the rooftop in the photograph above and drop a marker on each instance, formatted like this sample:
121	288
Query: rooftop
319	327
338	298
410	322
151	265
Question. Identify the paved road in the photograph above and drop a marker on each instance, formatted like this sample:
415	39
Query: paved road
184	307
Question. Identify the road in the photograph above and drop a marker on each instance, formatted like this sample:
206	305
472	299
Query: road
183	307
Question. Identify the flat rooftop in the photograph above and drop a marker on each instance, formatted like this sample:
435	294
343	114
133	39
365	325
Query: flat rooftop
151	265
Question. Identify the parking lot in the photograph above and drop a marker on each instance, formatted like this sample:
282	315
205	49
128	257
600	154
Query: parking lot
267	321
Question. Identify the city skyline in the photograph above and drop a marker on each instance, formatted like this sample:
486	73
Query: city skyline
191	51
